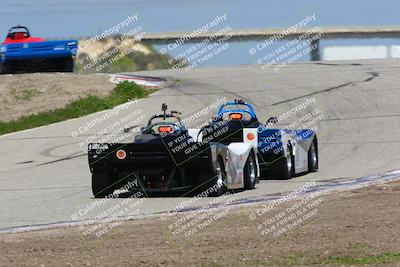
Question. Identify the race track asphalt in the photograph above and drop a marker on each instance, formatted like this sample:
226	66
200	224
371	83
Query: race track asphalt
44	174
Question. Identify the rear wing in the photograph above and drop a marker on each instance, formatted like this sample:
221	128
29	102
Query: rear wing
103	156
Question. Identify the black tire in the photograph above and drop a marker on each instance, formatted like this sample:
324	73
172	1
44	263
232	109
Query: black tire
250	172
102	184
283	168
220	180
313	157
5	68
68	64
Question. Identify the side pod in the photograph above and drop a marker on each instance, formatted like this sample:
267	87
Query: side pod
238	153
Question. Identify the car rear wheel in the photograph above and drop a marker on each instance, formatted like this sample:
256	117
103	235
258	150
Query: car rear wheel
250	172
102	185
4	68
313	157
283	167
68	64
219	183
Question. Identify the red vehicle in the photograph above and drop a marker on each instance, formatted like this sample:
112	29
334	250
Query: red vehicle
21	34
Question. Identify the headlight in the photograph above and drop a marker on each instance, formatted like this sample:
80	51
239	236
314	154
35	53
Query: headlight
3	49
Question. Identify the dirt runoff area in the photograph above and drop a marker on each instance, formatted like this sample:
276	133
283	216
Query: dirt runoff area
348	228
26	94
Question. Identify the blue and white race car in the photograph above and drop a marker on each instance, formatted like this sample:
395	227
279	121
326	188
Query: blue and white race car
281	153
